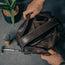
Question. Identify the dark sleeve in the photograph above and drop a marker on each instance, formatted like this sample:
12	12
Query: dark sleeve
63	63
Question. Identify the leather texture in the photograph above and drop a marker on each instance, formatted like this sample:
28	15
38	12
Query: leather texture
39	34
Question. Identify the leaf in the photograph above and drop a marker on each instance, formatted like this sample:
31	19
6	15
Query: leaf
13	3
7	2
4	6
10	2
12	15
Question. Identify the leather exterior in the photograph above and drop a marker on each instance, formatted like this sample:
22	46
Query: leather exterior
42	43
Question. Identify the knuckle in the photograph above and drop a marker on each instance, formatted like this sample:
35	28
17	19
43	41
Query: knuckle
29	5
32	17
24	12
37	12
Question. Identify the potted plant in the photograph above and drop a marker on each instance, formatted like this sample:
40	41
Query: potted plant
10	11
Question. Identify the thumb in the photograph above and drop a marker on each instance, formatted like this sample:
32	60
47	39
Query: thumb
33	14
25	13
52	52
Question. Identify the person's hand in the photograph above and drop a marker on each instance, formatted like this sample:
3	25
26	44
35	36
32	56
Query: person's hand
34	7
54	59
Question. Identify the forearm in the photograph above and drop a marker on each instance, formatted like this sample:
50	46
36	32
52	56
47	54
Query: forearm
40	0
62	63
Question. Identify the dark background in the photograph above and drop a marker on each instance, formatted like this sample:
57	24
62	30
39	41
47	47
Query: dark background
57	8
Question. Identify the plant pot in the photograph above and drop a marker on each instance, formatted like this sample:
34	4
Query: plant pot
17	15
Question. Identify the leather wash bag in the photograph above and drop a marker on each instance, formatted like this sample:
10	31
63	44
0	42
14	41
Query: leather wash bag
39	34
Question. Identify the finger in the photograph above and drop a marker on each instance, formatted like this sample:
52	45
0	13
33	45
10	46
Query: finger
28	7
44	57
34	14
26	12
52	52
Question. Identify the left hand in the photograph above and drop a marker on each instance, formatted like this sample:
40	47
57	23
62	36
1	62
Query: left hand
34	7
54	59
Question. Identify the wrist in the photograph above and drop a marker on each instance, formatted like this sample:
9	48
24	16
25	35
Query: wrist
40	0
62	63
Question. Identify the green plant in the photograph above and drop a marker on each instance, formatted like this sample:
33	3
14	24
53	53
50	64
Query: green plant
9	5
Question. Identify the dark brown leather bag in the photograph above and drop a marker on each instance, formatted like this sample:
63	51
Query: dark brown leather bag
39	34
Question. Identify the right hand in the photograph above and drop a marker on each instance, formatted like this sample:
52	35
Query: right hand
54	59
34	8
